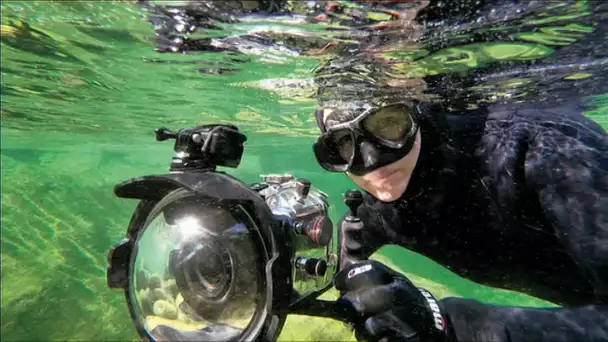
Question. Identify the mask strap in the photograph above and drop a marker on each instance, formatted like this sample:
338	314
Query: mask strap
319	117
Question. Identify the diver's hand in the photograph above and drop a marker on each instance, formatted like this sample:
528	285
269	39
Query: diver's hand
387	306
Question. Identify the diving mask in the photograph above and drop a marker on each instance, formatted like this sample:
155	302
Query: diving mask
375	137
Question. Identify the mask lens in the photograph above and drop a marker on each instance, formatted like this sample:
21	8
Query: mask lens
334	150
391	123
345	144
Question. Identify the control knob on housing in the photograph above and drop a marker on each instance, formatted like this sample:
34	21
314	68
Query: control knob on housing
320	230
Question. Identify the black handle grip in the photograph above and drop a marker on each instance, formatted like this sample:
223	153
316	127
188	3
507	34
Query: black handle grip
353	199
164	133
350	233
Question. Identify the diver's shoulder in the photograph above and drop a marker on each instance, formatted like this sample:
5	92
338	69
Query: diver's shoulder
564	118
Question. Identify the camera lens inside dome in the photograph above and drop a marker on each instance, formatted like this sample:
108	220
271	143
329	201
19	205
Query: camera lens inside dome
204	274
196	268
214	274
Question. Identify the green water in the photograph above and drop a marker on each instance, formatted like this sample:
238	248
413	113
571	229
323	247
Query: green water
80	100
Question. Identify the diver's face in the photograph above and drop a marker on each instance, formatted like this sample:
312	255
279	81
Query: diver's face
389	182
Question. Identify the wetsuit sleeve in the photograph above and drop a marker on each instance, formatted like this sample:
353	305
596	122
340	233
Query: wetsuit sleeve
568	170
359	243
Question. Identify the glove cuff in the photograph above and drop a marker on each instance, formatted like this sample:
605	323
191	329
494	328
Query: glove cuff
439	327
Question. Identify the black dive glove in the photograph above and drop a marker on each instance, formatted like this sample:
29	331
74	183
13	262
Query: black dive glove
386	306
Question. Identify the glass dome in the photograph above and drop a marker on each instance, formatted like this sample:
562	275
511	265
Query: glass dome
196	269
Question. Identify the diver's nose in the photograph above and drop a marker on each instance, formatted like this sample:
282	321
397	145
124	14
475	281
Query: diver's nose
369	154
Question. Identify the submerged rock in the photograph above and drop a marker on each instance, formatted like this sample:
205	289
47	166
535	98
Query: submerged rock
160	294
165	309
154	281
170	287
145	301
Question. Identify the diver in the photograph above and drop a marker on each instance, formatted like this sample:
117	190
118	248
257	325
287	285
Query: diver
513	196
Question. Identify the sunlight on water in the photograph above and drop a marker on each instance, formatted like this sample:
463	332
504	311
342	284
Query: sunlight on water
84	84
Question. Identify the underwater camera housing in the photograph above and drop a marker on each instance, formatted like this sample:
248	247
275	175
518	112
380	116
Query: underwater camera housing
207	257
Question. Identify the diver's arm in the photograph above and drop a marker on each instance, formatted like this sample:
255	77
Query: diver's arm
473	321
570	176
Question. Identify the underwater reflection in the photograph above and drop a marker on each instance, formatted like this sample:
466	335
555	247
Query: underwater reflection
465	53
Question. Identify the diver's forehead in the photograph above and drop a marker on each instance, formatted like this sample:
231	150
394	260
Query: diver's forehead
332	116
342	112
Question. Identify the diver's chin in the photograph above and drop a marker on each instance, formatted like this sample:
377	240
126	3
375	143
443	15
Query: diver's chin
392	188
388	195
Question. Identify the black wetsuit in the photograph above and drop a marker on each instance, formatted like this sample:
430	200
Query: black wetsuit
526	210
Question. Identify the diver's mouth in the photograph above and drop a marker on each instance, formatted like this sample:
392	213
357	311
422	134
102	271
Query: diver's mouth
380	176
